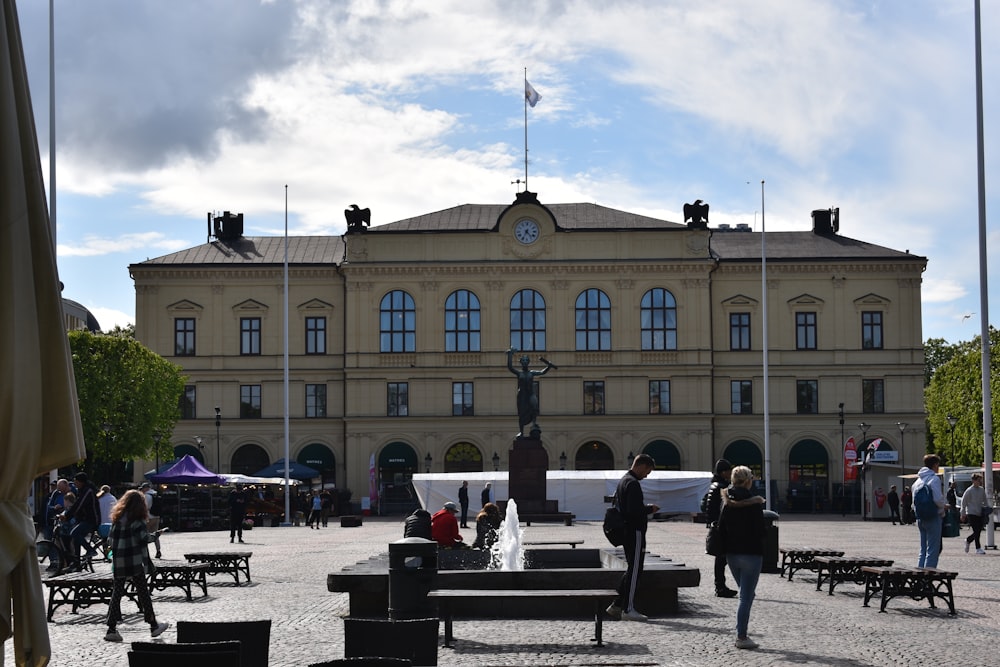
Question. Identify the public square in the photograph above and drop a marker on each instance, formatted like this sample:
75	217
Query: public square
793	622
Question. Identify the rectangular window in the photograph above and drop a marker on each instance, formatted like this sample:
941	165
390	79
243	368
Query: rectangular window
461	399
806	397
315	335
188	402
316	400
184	337
659	397
249	401
398	399
871	330
593	397
872	396
742	396
739	331
805	331
249	335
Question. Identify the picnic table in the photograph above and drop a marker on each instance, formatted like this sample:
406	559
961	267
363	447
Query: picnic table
181	575
224	562
801	558
914	582
844	568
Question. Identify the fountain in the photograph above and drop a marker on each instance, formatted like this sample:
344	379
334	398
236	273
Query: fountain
507	553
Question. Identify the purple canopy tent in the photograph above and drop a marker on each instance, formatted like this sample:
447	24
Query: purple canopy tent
187	470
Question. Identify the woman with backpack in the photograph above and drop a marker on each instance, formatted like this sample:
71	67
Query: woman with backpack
929	506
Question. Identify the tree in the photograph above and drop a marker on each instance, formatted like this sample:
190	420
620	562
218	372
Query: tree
956	389
126	393
937	352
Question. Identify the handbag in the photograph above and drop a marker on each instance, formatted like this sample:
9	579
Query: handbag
715	542
614	524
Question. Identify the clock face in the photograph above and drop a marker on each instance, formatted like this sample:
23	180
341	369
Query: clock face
526	231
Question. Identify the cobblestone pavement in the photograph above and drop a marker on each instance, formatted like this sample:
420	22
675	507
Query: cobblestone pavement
794	623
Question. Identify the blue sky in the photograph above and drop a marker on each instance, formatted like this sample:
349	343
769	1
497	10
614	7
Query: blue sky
166	111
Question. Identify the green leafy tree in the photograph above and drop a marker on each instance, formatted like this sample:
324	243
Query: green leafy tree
955	389
937	352
127	393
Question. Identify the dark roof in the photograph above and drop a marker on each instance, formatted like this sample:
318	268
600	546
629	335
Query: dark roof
745	247
484	217
258	250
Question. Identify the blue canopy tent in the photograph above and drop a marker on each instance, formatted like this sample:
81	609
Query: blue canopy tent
296	470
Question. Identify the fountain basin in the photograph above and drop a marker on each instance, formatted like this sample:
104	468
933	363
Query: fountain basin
367	582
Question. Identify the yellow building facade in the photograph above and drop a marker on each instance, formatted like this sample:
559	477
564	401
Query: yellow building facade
398	337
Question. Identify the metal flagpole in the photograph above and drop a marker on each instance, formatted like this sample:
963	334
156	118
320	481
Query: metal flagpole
767	410
288	486
525	129
984	290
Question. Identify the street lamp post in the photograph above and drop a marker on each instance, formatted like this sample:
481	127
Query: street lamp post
496	462
562	461
156	449
902	429
951	455
863	451
218	446
427	461
201	447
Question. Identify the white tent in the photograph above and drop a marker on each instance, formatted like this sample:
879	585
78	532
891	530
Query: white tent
581	492
247	479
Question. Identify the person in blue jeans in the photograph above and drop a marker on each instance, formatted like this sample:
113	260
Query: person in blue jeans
930	528
742	526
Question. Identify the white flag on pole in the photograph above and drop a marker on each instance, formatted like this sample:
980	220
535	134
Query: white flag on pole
531	94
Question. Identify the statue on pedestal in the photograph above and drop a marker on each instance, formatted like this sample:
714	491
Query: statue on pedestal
527	400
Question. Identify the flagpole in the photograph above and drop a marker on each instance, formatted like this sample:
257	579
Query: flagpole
288	486
767	410
984	320
525	129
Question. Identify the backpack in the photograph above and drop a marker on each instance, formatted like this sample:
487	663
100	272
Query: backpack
614	524
924	505
704	500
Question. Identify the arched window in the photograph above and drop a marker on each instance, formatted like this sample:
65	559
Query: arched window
595	456
248	459
397	323
665	454
658	320
745	453
463	457
462	322
593	321
527	321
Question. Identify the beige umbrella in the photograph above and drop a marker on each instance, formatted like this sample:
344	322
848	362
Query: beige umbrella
39	415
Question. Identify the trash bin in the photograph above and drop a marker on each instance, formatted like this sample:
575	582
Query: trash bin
950	526
412	574
770	543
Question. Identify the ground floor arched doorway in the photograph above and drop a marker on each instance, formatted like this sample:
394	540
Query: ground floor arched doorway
665	453
396	464
594	456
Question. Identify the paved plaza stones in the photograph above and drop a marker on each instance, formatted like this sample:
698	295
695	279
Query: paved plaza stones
793	623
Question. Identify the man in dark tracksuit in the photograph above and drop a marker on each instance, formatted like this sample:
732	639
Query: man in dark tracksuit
720	480
635	512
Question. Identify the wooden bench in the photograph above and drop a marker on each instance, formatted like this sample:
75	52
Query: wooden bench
599	597
224	562
181	575
537	543
914	582
566	518
81	589
800	558
844	568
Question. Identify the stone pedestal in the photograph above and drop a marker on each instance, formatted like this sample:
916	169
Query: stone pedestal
526	478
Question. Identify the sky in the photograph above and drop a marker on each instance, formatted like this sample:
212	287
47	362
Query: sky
168	111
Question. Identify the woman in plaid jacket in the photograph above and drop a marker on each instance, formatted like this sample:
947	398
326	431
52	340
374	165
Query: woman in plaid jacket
130	555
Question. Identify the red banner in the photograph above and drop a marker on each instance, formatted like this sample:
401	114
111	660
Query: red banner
850	458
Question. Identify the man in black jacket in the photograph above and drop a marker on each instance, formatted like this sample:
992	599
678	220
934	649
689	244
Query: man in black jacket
635	511
87	512
720	480
463	502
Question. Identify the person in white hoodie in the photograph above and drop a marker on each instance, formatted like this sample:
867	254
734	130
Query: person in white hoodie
930	529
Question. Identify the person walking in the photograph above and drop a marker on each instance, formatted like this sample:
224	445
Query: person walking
976	510
153	504
237	512
636	513
463	502
720	480
85	515
130	540
741	523
893	499
906	506
485	494
929	525
315	513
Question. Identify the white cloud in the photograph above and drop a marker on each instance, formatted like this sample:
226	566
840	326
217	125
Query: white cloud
94	246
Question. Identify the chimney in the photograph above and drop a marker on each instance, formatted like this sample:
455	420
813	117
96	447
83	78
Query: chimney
826	221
